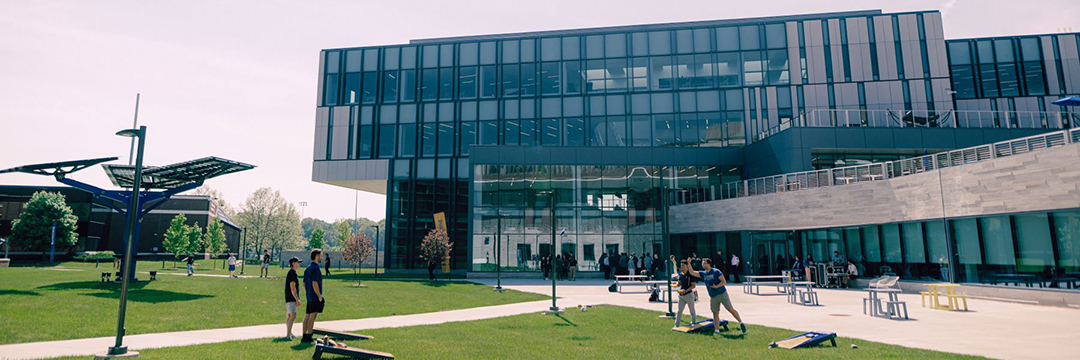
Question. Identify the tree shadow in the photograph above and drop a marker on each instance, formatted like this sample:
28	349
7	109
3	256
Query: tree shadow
19	292
436	283
151	296
136	291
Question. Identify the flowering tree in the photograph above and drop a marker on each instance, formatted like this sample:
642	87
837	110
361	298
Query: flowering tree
434	248
357	250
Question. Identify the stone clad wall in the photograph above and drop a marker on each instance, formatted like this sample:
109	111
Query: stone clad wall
1036	181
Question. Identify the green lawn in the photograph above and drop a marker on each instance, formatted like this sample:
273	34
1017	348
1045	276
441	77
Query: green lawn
604	332
69	301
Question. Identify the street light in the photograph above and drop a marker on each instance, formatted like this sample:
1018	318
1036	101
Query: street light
554	308
667	239
133	209
243	250
376	250
498	252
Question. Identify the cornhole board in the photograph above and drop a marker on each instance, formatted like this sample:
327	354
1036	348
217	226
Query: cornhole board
808	339
703	325
330	347
339	335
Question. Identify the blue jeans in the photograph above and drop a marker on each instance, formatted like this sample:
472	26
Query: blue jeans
190	270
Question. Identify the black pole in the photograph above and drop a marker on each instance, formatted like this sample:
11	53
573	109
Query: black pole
667	238
129	247
498	254
554	307
243	251
376	250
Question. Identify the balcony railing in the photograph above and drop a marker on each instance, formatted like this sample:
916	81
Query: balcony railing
926	119
893	169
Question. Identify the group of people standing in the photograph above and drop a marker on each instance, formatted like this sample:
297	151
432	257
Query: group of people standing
313	293
623	264
715	284
565	266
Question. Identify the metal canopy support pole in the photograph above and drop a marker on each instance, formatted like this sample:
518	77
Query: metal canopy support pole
498	253
133	211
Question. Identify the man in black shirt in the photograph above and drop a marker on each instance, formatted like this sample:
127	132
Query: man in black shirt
292	296
190	264
686	293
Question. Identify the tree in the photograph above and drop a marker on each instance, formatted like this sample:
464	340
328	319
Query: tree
176	240
357	250
343	228
434	248
271	221
214	238
217	196
316	240
194	237
33	229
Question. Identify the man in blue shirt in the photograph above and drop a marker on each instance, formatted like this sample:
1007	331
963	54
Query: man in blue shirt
314	292
715	282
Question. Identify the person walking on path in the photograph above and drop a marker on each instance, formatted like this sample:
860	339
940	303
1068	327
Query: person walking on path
715	282
264	270
327	264
573	267
232	265
735	262
604	266
313	291
190	264
686	293
292	296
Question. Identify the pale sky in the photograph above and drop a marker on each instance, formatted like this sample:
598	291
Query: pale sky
237	79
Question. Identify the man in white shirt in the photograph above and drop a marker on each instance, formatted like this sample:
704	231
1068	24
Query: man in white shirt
232	264
735	268
852	272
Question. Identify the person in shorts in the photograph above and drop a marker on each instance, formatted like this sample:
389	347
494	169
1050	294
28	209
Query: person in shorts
232	265
292	296
714	282
265	270
314	292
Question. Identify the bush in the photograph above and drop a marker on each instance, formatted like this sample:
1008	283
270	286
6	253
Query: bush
96	256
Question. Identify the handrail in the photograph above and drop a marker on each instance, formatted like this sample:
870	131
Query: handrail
892	169
920	119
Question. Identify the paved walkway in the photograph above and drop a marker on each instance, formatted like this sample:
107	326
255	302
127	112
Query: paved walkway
993	329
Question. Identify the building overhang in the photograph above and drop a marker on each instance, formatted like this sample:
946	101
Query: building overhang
364	175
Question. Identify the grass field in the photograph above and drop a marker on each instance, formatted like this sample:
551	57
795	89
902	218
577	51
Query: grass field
604	332
69	301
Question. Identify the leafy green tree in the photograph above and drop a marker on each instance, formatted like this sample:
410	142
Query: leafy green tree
176	239
214	238
33	229
342	230
316	239
194	237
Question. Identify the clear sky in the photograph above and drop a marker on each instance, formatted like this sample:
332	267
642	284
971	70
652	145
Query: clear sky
237	79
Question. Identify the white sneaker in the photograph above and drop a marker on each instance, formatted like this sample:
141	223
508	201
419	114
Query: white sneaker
715	331
674	328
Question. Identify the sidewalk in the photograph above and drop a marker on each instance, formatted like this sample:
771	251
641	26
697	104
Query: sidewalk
98	345
992	328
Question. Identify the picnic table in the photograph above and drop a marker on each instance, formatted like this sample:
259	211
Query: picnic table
623	280
873	302
753	283
806	297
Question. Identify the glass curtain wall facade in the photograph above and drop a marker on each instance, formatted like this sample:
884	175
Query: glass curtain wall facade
420	107
1037	250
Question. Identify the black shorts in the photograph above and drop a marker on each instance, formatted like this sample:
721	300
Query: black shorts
315	307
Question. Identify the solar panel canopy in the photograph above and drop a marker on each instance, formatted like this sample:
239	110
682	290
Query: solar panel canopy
175	175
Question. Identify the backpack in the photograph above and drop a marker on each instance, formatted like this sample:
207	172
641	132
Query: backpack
613	288
654	295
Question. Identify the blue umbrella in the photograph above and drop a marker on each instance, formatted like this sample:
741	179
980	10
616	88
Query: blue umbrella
1068	101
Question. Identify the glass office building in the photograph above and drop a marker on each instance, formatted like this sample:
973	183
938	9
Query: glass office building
580	139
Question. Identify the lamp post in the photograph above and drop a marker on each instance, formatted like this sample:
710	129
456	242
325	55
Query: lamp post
498	252
376	250
554	307
243	250
667	239
133	219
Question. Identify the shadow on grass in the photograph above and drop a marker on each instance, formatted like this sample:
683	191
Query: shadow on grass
281	340
136	291
19	292
733	336
436	283
568	322
303	346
